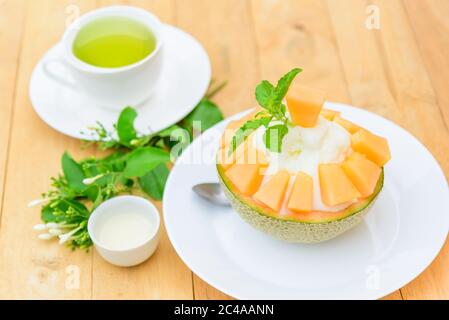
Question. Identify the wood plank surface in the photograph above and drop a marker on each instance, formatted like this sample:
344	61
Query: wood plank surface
12	17
297	33
31	268
428	20
224	28
399	71
422	116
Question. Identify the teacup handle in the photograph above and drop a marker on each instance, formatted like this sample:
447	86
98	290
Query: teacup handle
53	75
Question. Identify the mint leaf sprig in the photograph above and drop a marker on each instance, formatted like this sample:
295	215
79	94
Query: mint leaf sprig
272	117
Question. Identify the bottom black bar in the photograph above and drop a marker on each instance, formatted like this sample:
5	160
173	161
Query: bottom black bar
186	309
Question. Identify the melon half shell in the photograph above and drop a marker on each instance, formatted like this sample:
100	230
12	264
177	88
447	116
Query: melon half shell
294	230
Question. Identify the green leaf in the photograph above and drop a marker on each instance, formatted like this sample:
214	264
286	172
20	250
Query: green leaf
264	94
169	137
128	182
273	137
91	192
125	125
167	132
206	113
58	211
141	161
114	162
48	215
245	130
179	136
153	183
73	172
282	87
78	206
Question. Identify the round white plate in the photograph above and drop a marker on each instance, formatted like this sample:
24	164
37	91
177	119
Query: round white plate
396	241
184	81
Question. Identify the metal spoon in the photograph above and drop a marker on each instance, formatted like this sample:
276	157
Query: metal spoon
211	192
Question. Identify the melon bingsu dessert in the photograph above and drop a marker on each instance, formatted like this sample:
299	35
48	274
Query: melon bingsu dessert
296	171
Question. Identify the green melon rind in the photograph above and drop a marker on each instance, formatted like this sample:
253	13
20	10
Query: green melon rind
294	230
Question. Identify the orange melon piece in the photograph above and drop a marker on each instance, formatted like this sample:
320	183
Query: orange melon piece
329	114
362	172
301	197
373	147
245	177
348	125
229	132
245	153
304	105
335	186
226	160
272	193
233	126
253	155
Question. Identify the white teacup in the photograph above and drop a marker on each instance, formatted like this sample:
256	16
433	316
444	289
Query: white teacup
112	88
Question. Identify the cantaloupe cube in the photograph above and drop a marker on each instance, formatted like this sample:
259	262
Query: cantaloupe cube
226	160
254	155
272	193
362	172
373	147
245	177
304	105
233	126
245	153
329	114
335	186
229	132
301	197
348	125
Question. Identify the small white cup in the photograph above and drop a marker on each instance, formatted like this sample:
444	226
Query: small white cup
112	88
129	256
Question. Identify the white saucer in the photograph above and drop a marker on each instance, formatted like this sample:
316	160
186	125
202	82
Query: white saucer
398	239
184	81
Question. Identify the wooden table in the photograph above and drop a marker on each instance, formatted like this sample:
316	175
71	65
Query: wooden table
400	71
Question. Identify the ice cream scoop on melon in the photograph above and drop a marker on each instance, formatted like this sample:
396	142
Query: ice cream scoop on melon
299	172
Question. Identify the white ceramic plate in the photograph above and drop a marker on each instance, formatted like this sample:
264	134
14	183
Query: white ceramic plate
397	240
184	81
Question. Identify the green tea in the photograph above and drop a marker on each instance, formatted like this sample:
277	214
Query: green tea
113	42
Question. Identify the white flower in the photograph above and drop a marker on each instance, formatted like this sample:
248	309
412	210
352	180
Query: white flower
55	232
66	236
38	202
45	236
39	227
91	180
52	225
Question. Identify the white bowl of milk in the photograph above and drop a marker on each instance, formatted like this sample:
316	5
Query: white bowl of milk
125	230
